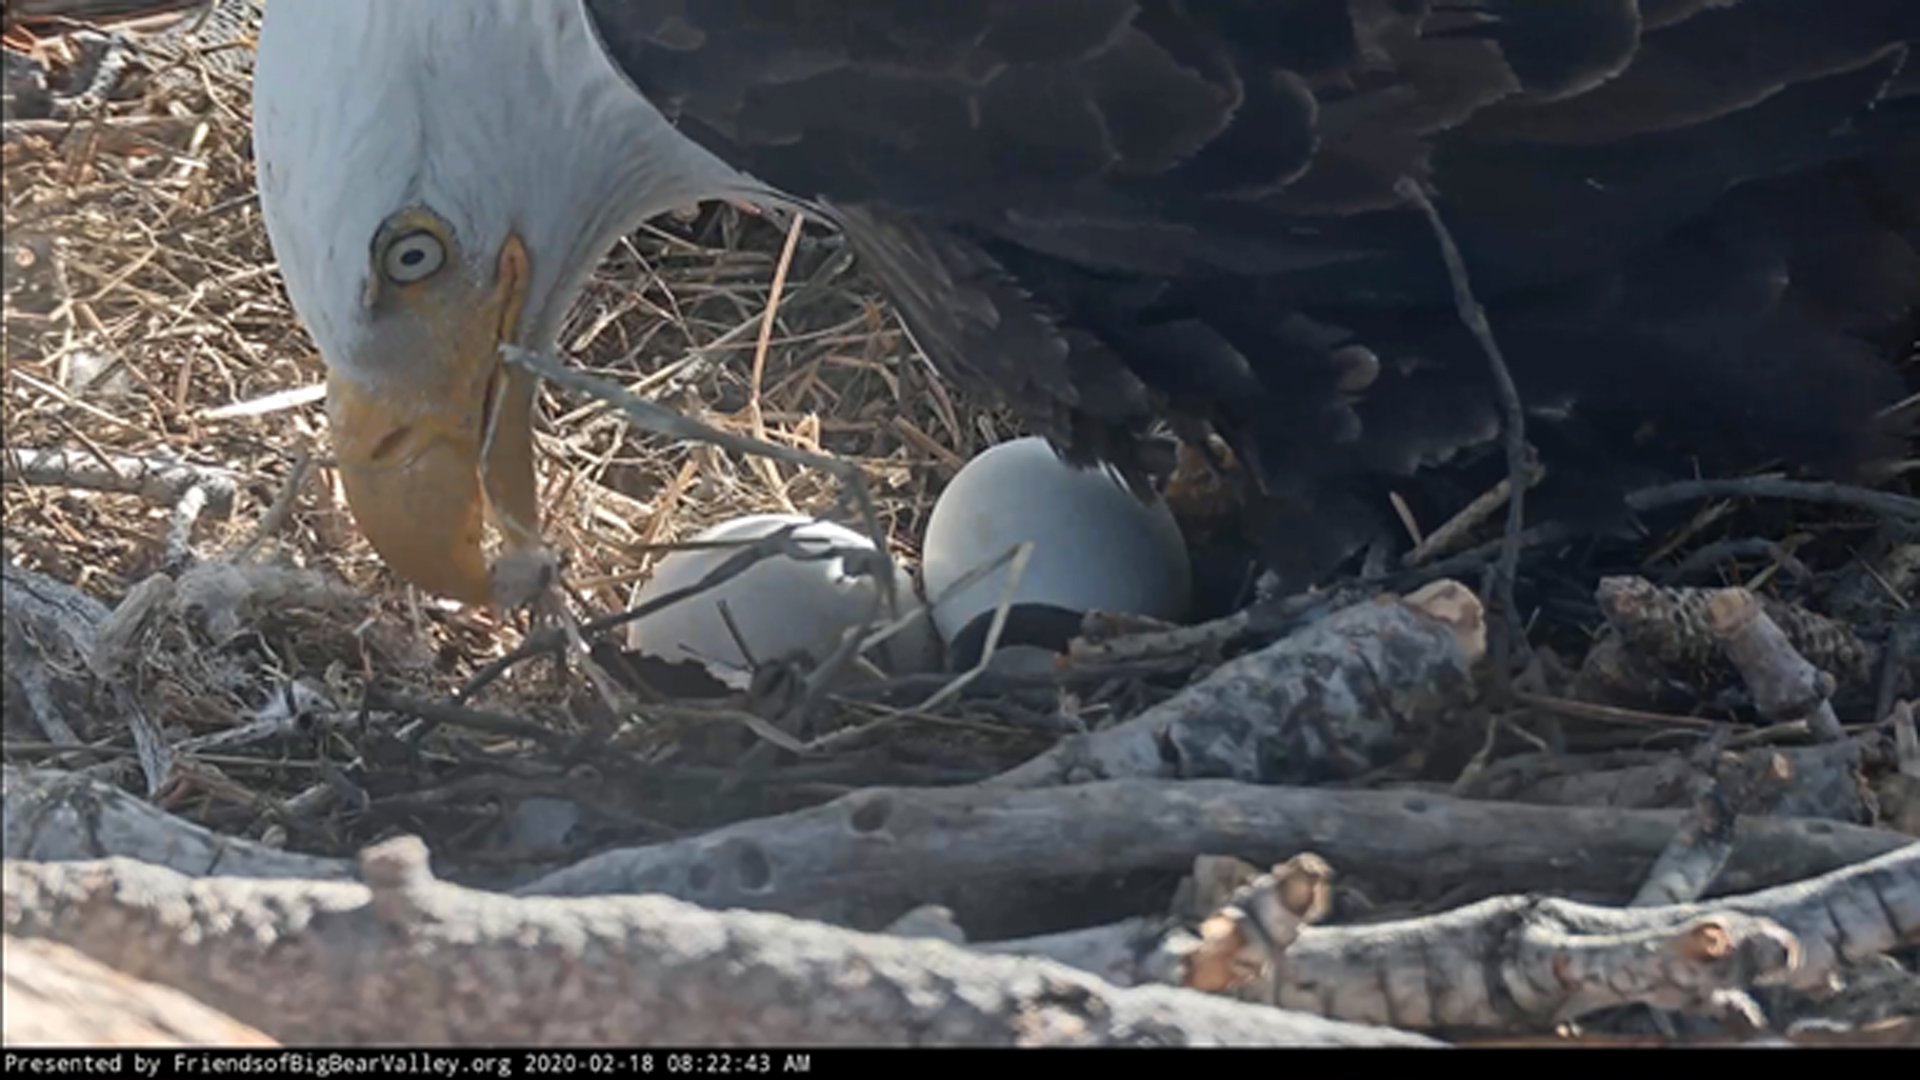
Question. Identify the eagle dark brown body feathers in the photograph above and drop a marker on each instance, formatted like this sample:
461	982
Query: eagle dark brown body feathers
1695	223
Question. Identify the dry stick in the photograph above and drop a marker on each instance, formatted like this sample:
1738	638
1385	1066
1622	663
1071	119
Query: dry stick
404	958
189	489
1701	847
155	126
1883	503
661	420
159	481
1550	959
765	341
282	506
1508	634
436	714
55	816
1712	555
906	847
52	627
949	688
1449	534
1730	787
1525	962
1513	847
1785	686
1347	694
820	680
1826	778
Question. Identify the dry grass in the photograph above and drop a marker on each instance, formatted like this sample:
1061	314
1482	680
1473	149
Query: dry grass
144	318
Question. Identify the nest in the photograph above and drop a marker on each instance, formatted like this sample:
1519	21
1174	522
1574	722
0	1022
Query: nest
284	688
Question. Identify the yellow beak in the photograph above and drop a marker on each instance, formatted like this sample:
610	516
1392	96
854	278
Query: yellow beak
427	463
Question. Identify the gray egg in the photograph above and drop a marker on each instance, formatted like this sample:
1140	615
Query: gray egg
781	605
1096	547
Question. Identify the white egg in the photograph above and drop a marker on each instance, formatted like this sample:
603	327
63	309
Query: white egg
1096	547
781	605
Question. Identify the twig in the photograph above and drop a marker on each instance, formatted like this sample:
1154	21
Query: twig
768	319
52	623
1729	788
663	421
1521	961
160	481
1883	503
954	686
1509	636
278	401
1610	714
155	126
436	714
1456	529
1706	558
1785	686
282	506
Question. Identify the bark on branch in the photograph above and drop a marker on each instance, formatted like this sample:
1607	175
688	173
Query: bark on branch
404	958
1347	694
1522	963
865	859
1519	961
56	996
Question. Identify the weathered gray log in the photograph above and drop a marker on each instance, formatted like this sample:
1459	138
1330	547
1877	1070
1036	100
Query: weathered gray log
867	858
404	958
1360	688
52	630
53	816
1516	962
1523	963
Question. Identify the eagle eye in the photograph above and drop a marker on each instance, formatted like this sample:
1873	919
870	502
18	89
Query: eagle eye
413	257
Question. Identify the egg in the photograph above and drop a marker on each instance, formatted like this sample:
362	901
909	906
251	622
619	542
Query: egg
782	606
1096	547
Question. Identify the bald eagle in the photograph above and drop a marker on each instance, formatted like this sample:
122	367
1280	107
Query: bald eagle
1695	223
